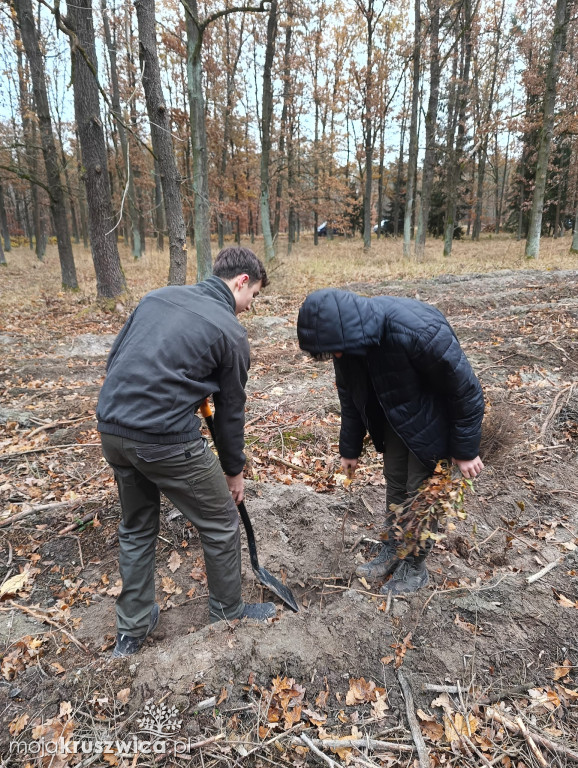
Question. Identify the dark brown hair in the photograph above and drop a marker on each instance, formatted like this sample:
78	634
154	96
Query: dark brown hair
236	260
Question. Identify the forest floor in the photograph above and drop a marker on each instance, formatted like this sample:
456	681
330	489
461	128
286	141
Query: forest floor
491	660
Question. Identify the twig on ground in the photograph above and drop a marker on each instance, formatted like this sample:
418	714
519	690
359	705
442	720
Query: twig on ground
530	741
40	616
77	523
546	569
422	750
14	455
72	536
554	410
41	508
372	744
296	467
561	749
57	424
306	740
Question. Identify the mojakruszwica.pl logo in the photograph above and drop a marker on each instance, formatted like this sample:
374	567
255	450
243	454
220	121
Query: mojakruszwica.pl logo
157	734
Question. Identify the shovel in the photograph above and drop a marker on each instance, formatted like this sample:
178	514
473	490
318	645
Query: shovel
262	574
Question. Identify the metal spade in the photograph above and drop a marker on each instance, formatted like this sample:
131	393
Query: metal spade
262	574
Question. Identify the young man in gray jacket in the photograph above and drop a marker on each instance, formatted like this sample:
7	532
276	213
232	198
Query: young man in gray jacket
180	345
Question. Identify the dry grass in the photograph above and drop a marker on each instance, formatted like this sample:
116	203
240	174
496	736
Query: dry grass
332	263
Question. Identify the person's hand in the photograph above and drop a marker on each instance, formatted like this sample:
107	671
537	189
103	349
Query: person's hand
236	486
349	466
470	468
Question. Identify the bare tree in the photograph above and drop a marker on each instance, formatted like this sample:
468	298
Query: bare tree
266	119
413	129
456	153
110	281
162	141
110	40
54	187
431	119
5	232
546	130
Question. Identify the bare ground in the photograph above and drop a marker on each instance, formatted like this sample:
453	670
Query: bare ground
479	624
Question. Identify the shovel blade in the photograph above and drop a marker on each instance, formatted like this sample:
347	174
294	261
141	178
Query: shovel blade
269	581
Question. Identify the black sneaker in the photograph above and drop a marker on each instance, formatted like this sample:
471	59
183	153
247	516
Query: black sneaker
409	576
251	611
127	645
382	565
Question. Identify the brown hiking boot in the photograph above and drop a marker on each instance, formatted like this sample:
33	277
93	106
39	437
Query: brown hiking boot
382	565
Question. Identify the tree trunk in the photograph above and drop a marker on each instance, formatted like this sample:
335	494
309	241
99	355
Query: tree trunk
57	205
430	130
477	229
266	119
110	281
159	210
399	175
574	246
412	156
117	113
199	142
162	142
368	129
455	170
30	142
283	126
546	131
5	232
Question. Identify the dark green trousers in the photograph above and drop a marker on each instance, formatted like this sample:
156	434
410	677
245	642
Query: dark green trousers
190	476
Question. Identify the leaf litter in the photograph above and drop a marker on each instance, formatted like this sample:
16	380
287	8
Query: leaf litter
327	673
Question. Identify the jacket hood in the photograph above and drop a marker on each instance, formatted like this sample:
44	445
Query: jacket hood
331	320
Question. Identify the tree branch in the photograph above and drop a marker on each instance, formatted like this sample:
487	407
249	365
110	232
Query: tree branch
75	46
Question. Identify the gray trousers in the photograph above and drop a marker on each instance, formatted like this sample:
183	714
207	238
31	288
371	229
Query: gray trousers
404	473
190	476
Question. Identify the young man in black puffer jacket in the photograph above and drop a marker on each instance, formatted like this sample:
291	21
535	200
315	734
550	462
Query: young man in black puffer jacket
403	377
180	345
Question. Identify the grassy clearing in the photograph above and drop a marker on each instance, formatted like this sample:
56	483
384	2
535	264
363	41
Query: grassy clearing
333	263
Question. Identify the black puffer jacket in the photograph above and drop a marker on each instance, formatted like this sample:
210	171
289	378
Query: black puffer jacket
409	353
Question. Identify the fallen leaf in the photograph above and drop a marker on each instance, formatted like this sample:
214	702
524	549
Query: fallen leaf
58	668
65	709
292	716
459	622
566	602
123	696
430	727
15	584
18	724
387	659
174	561
315	718
379	706
564	670
360	691
222	696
